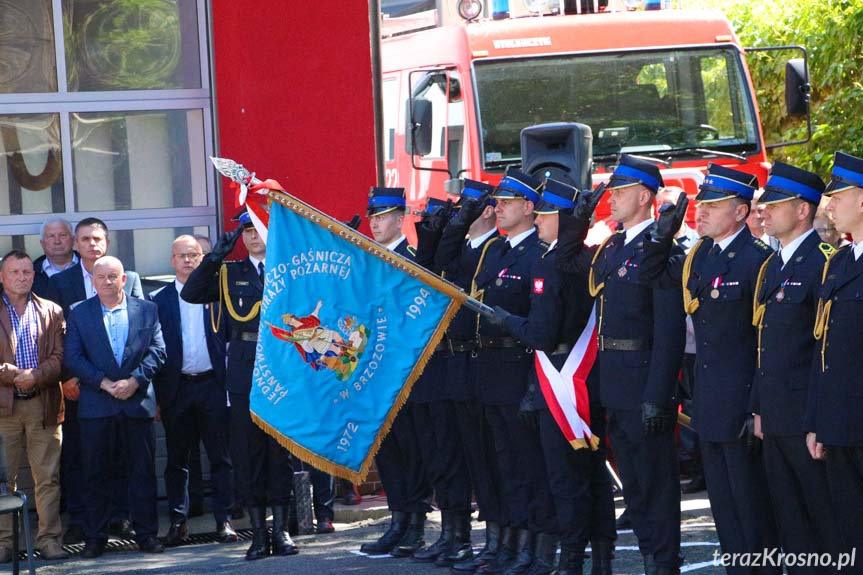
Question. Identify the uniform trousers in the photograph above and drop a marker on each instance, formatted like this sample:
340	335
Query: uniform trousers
651	485
269	472
580	484
740	501
478	444
801	499
24	430
524	492
845	477
400	466
442	454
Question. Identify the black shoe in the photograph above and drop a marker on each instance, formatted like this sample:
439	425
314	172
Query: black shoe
352	497
74	534
282	544
225	532
177	533
440	547
414	538
150	545
387	542
325	526
122	529
93	549
696	485
260	546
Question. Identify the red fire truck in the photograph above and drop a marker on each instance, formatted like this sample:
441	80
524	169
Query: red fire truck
671	85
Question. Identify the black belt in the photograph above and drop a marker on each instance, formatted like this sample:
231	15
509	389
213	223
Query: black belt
196	377
562	349
498	342
612	343
453	346
247	336
25	397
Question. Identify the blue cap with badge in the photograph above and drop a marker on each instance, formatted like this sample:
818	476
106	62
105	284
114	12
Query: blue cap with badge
476	190
787	182
721	183
556	196
847	173
384	200
517	185
631	171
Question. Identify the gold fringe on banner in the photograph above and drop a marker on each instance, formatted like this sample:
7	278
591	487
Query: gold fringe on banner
406	266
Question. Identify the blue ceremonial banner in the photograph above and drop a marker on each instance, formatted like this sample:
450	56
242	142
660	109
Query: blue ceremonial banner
346	328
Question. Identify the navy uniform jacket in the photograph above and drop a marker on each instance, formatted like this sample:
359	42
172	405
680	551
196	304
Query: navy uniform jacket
505	281
835	407
405	250
67	287
167	381
726	340
245	289
459	261
88	356
560	306
629	307
789	298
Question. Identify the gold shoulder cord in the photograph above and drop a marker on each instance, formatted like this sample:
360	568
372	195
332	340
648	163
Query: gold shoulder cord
690	304
591	279
224	296
477	295
758	309
822	316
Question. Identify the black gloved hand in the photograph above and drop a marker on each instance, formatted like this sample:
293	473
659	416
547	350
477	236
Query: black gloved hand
670	219
435	218
226	243
655	419
499	316
354	222
747	435
586	203
471	210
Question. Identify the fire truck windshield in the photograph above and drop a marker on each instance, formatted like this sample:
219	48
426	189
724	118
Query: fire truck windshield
674	102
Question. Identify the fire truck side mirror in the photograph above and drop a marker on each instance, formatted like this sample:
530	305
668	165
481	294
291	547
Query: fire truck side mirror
418	132
797	88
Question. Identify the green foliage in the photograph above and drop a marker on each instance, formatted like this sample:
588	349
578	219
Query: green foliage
832	32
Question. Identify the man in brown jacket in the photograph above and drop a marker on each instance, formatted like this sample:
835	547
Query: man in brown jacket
31	401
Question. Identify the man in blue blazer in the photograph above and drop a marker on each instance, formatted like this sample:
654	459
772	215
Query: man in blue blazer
66	288
190	390
114	347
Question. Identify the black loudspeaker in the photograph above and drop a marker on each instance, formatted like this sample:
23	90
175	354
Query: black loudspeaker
561	151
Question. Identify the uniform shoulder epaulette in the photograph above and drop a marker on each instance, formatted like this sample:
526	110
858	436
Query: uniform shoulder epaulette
762	246
826	249
412	250
232	262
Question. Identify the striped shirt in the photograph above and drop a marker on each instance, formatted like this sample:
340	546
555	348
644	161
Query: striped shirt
26	331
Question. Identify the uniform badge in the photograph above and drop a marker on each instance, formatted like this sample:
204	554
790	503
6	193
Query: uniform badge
780	295
498	282
714	293
621	272
538	285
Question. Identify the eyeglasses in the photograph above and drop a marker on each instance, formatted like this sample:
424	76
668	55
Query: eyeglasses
188	256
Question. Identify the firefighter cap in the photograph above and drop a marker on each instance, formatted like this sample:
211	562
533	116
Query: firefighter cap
556	196
631	171
384	200
847	173
721	183
518	185
787	182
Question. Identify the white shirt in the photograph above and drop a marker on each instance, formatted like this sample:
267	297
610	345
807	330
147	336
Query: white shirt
636	229
727	241
787	252
513	241
50	269
89	288
393	245
551	245
476	242
255	261
858	249
196	358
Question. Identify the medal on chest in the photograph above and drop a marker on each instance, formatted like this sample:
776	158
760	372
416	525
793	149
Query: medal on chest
714	293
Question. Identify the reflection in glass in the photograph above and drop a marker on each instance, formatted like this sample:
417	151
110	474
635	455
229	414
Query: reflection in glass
131	44
139	160
27	62
148	252
31	166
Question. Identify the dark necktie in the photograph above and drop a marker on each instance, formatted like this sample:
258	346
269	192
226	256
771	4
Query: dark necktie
714	251
261	270
506	248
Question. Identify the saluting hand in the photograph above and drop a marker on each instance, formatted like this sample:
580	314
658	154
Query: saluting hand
587	202
670	219
226	243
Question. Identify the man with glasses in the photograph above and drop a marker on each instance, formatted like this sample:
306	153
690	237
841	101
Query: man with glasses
190	391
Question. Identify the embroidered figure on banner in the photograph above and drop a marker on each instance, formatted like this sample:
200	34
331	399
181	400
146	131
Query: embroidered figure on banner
323	347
